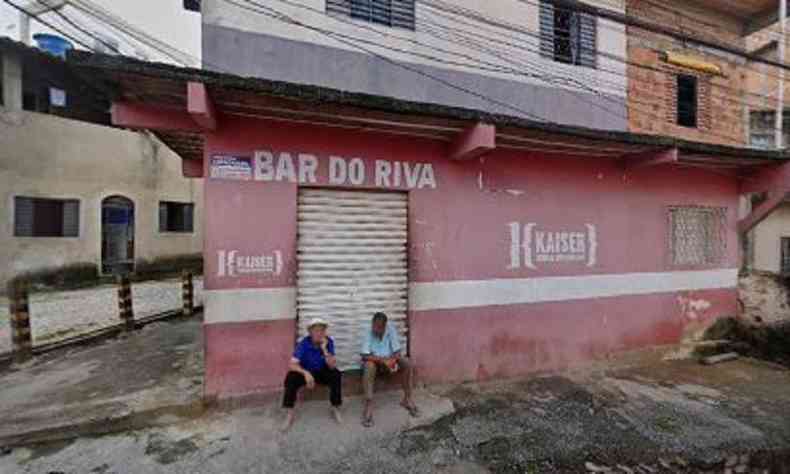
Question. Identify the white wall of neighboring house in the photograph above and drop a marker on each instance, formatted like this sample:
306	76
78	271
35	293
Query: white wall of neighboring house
767	237
46	156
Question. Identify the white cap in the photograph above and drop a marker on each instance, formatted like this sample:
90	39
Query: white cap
317	322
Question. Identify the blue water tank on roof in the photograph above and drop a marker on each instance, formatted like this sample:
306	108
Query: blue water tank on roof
53	44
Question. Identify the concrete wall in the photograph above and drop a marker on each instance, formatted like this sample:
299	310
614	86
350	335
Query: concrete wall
766	238
483	302
47	156
248	43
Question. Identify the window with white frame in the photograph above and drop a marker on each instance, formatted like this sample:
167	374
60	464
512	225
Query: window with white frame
393	13
568	36
697	235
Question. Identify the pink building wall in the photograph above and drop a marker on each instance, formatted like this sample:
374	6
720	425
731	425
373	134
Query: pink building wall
480	306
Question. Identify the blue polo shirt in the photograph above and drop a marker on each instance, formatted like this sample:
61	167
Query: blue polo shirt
310	356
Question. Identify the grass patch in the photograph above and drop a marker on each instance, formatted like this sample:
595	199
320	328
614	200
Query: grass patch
167	267
68	277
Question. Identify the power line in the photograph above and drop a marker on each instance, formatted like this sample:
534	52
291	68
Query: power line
86	31
565	80
267	11
48	24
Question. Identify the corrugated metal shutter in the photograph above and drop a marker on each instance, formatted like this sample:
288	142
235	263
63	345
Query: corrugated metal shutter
23	217
547	29
352	262
588	40
397	13
71	218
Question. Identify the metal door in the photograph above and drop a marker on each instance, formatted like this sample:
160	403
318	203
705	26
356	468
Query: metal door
117	219
352	262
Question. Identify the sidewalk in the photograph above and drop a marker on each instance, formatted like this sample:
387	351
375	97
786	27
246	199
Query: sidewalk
659	417
151	376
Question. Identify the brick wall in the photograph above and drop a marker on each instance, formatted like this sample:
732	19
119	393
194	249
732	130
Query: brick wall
652	82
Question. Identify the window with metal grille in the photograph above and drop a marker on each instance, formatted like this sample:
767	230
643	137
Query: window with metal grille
394	13
687	101
568	36
176	216
785	243
41	217
697	235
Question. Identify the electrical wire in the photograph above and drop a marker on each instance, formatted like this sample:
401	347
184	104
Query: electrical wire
620	115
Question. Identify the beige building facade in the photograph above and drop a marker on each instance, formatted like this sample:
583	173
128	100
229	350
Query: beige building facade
70	189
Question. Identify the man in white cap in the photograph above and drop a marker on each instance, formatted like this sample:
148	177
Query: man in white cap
313	361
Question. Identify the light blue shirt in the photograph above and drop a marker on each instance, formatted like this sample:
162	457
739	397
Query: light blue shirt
388	345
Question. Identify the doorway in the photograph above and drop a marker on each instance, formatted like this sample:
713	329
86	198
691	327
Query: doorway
117	231
352	262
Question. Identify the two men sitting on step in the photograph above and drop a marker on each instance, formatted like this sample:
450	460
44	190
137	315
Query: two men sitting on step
314	361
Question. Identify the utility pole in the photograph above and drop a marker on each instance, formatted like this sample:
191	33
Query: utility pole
98	13
780	93
35	8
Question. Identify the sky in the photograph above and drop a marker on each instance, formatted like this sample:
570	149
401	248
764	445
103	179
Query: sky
165	20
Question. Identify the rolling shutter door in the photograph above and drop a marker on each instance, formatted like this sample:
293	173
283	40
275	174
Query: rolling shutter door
352	262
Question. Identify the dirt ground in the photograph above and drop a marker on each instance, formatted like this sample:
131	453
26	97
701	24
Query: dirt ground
670	416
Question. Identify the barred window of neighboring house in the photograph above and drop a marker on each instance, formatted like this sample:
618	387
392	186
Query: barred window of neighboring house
40	217
687	101
697	235
394	13
568	36
176	216
2	94
785	264
761	128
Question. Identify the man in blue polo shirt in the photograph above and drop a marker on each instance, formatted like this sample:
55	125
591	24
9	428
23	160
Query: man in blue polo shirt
381	354
313	361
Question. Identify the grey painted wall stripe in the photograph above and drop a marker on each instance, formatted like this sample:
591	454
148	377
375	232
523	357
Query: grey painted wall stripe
260	55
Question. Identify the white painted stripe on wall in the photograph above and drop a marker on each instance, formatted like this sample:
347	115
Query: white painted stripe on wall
476	293
264	304
249	304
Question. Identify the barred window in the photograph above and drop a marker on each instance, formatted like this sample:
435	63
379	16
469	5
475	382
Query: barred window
785	264
40	217
394	13
176	217
697	235
568	36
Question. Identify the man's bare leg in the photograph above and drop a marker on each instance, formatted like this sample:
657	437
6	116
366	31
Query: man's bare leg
337	415
367	413
289	419
408	384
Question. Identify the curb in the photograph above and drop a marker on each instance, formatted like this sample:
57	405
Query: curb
160	416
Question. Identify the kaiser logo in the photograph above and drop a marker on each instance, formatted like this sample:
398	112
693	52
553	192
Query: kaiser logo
531	245
231	264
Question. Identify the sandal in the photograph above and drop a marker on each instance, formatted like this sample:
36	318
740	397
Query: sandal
412	409
367	422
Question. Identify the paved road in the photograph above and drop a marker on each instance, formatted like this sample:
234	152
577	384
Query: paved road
56	315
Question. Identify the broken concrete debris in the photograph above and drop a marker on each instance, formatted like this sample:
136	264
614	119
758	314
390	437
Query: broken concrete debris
717	359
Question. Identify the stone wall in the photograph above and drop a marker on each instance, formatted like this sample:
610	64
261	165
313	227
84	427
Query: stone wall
764	298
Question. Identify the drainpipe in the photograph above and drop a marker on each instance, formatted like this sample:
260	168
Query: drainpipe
780	93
